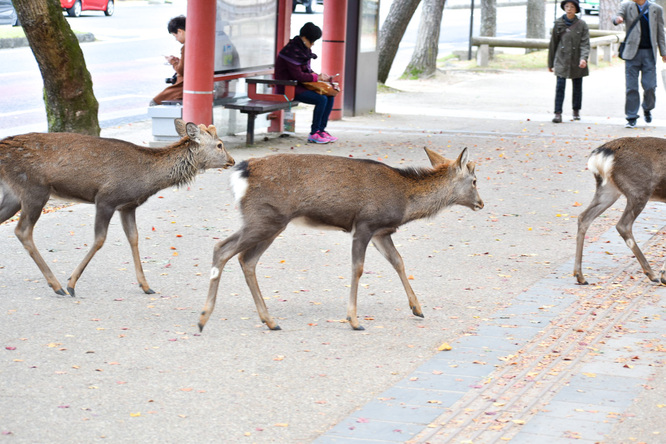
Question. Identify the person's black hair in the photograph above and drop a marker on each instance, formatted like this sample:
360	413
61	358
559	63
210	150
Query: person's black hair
175	24
311	32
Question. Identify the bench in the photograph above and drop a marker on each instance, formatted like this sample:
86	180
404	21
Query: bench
257	103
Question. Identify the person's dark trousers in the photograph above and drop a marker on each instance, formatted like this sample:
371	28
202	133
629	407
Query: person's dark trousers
323	106
577	97
645	65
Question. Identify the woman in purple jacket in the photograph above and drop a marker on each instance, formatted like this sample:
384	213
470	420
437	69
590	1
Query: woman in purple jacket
293	63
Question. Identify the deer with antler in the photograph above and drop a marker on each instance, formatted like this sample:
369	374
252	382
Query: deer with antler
114	175
366	198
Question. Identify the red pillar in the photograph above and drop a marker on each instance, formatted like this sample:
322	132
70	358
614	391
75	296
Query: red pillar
333	48
199	62
281	39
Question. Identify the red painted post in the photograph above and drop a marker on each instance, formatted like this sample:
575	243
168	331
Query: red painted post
333	48
282	38
199	62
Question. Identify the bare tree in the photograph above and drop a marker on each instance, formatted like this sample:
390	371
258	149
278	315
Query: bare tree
424	58
607	11
70	103
489	20
396	22
536	24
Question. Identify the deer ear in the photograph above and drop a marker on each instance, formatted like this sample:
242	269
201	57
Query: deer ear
462	159
180	127
435	158
193	132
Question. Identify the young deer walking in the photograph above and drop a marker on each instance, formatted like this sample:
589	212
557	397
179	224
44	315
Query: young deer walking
635	168
112	174
368	199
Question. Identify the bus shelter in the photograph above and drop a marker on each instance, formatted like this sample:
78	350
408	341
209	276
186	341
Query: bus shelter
230	40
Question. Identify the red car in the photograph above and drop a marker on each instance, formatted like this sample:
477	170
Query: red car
74	7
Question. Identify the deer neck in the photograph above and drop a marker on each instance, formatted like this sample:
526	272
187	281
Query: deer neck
185	163
429	195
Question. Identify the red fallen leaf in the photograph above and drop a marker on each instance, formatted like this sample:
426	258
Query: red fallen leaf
10	348
172	340
160	197
173	248
179	235
63	406
363	420
153	228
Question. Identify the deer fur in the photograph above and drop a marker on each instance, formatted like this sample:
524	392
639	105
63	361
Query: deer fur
635	168
112	174
367	199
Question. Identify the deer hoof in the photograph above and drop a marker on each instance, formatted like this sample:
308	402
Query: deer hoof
277	327
149	291
61	292
70	290
358	328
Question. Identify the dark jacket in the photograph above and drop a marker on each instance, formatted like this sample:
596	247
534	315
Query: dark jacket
568	46
293	63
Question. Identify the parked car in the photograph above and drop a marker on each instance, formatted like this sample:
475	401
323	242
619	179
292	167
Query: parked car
8	14
590	6
74	7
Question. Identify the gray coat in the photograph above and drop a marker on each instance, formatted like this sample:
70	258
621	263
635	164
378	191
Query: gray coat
629	13
568	46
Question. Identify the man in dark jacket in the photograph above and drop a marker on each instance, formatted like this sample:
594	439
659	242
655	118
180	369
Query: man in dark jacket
644	25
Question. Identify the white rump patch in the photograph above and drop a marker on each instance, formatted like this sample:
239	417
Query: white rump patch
238	185
214	273
602	165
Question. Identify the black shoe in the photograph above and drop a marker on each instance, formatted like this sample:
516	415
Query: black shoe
648	116
576	114
631	123
557	118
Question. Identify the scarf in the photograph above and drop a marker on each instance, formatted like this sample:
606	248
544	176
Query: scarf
295	52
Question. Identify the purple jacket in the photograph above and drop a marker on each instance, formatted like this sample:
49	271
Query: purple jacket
293	63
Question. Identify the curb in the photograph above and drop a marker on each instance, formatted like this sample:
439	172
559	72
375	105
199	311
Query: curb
22	41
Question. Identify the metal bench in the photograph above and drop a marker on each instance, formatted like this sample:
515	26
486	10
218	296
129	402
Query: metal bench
257	103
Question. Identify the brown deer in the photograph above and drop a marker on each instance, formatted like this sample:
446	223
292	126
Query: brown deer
112	174
368	199
635	168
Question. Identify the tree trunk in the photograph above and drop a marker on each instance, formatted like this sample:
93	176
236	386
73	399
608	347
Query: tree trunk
70	103
393	29
489	21
607	11
424	58
536	24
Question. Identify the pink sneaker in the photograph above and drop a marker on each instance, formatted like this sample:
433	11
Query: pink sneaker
328	136
317	138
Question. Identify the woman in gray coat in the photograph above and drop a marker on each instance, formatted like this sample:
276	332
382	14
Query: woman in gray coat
567	56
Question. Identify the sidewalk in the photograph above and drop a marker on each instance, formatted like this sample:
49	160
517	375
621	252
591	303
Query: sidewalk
534	358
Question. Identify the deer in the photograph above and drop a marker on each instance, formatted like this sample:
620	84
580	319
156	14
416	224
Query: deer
112	174
365	198
635	168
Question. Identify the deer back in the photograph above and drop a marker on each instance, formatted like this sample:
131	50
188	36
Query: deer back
636	166
341	192
84	167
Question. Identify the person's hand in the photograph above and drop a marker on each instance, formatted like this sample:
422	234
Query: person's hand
550	69
171	59
619	20
582	64
324	77
663	59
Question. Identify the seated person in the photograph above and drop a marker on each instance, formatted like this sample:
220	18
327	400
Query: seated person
176	28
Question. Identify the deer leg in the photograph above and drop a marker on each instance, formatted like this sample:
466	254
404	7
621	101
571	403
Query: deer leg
23	231
624	227
128	219
604	197
248	260
102	218
385	245
359	247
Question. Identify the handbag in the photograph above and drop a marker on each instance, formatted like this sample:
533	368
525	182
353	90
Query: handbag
324	88
631	28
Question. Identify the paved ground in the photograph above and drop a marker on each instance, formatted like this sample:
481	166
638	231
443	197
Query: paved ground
534	357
